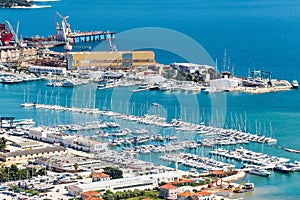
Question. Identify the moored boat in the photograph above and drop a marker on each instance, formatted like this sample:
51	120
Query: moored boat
282	168
295	84
260	172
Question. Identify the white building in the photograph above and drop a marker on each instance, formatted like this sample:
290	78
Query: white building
90	145
74	141
140	182
191	68
47	70
224	83
51	136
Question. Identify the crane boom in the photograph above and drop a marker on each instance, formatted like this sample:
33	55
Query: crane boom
13	32
65	26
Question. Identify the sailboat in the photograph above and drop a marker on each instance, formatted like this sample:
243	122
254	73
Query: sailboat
27	104
270	140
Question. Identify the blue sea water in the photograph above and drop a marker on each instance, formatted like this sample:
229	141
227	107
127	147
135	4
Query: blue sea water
257	35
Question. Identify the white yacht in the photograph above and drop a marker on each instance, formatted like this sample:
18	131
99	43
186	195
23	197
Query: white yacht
282	168
259	172
28	104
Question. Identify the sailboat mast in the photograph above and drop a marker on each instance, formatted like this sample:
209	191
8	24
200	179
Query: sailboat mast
224	61
216	67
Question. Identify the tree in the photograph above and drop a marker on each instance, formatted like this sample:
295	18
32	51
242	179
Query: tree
42	172
3	143
114	173
108	195
76	166
13	172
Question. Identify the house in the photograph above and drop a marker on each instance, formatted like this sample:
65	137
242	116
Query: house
218	173
184	195
100	176
203	195
168	191
183	181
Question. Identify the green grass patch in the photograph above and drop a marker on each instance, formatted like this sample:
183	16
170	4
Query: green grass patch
152	194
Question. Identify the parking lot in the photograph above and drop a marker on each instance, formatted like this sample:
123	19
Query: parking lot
57	193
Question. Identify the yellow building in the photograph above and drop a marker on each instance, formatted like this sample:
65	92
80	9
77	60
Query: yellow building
109	59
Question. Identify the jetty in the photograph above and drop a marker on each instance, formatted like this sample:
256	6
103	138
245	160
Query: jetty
292	150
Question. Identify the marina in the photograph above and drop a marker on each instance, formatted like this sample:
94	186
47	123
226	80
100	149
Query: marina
250	120
226	136
139	145
259	160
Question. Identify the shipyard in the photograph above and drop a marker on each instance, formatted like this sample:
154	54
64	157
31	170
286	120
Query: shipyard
117	124
33	52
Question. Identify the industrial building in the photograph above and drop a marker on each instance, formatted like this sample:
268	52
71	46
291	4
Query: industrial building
25	155
66	163
73	141
103	60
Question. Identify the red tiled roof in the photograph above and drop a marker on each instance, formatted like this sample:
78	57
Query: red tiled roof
184	181
100	175
218	172
185	194
168	186
92	198
203	193
91	195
